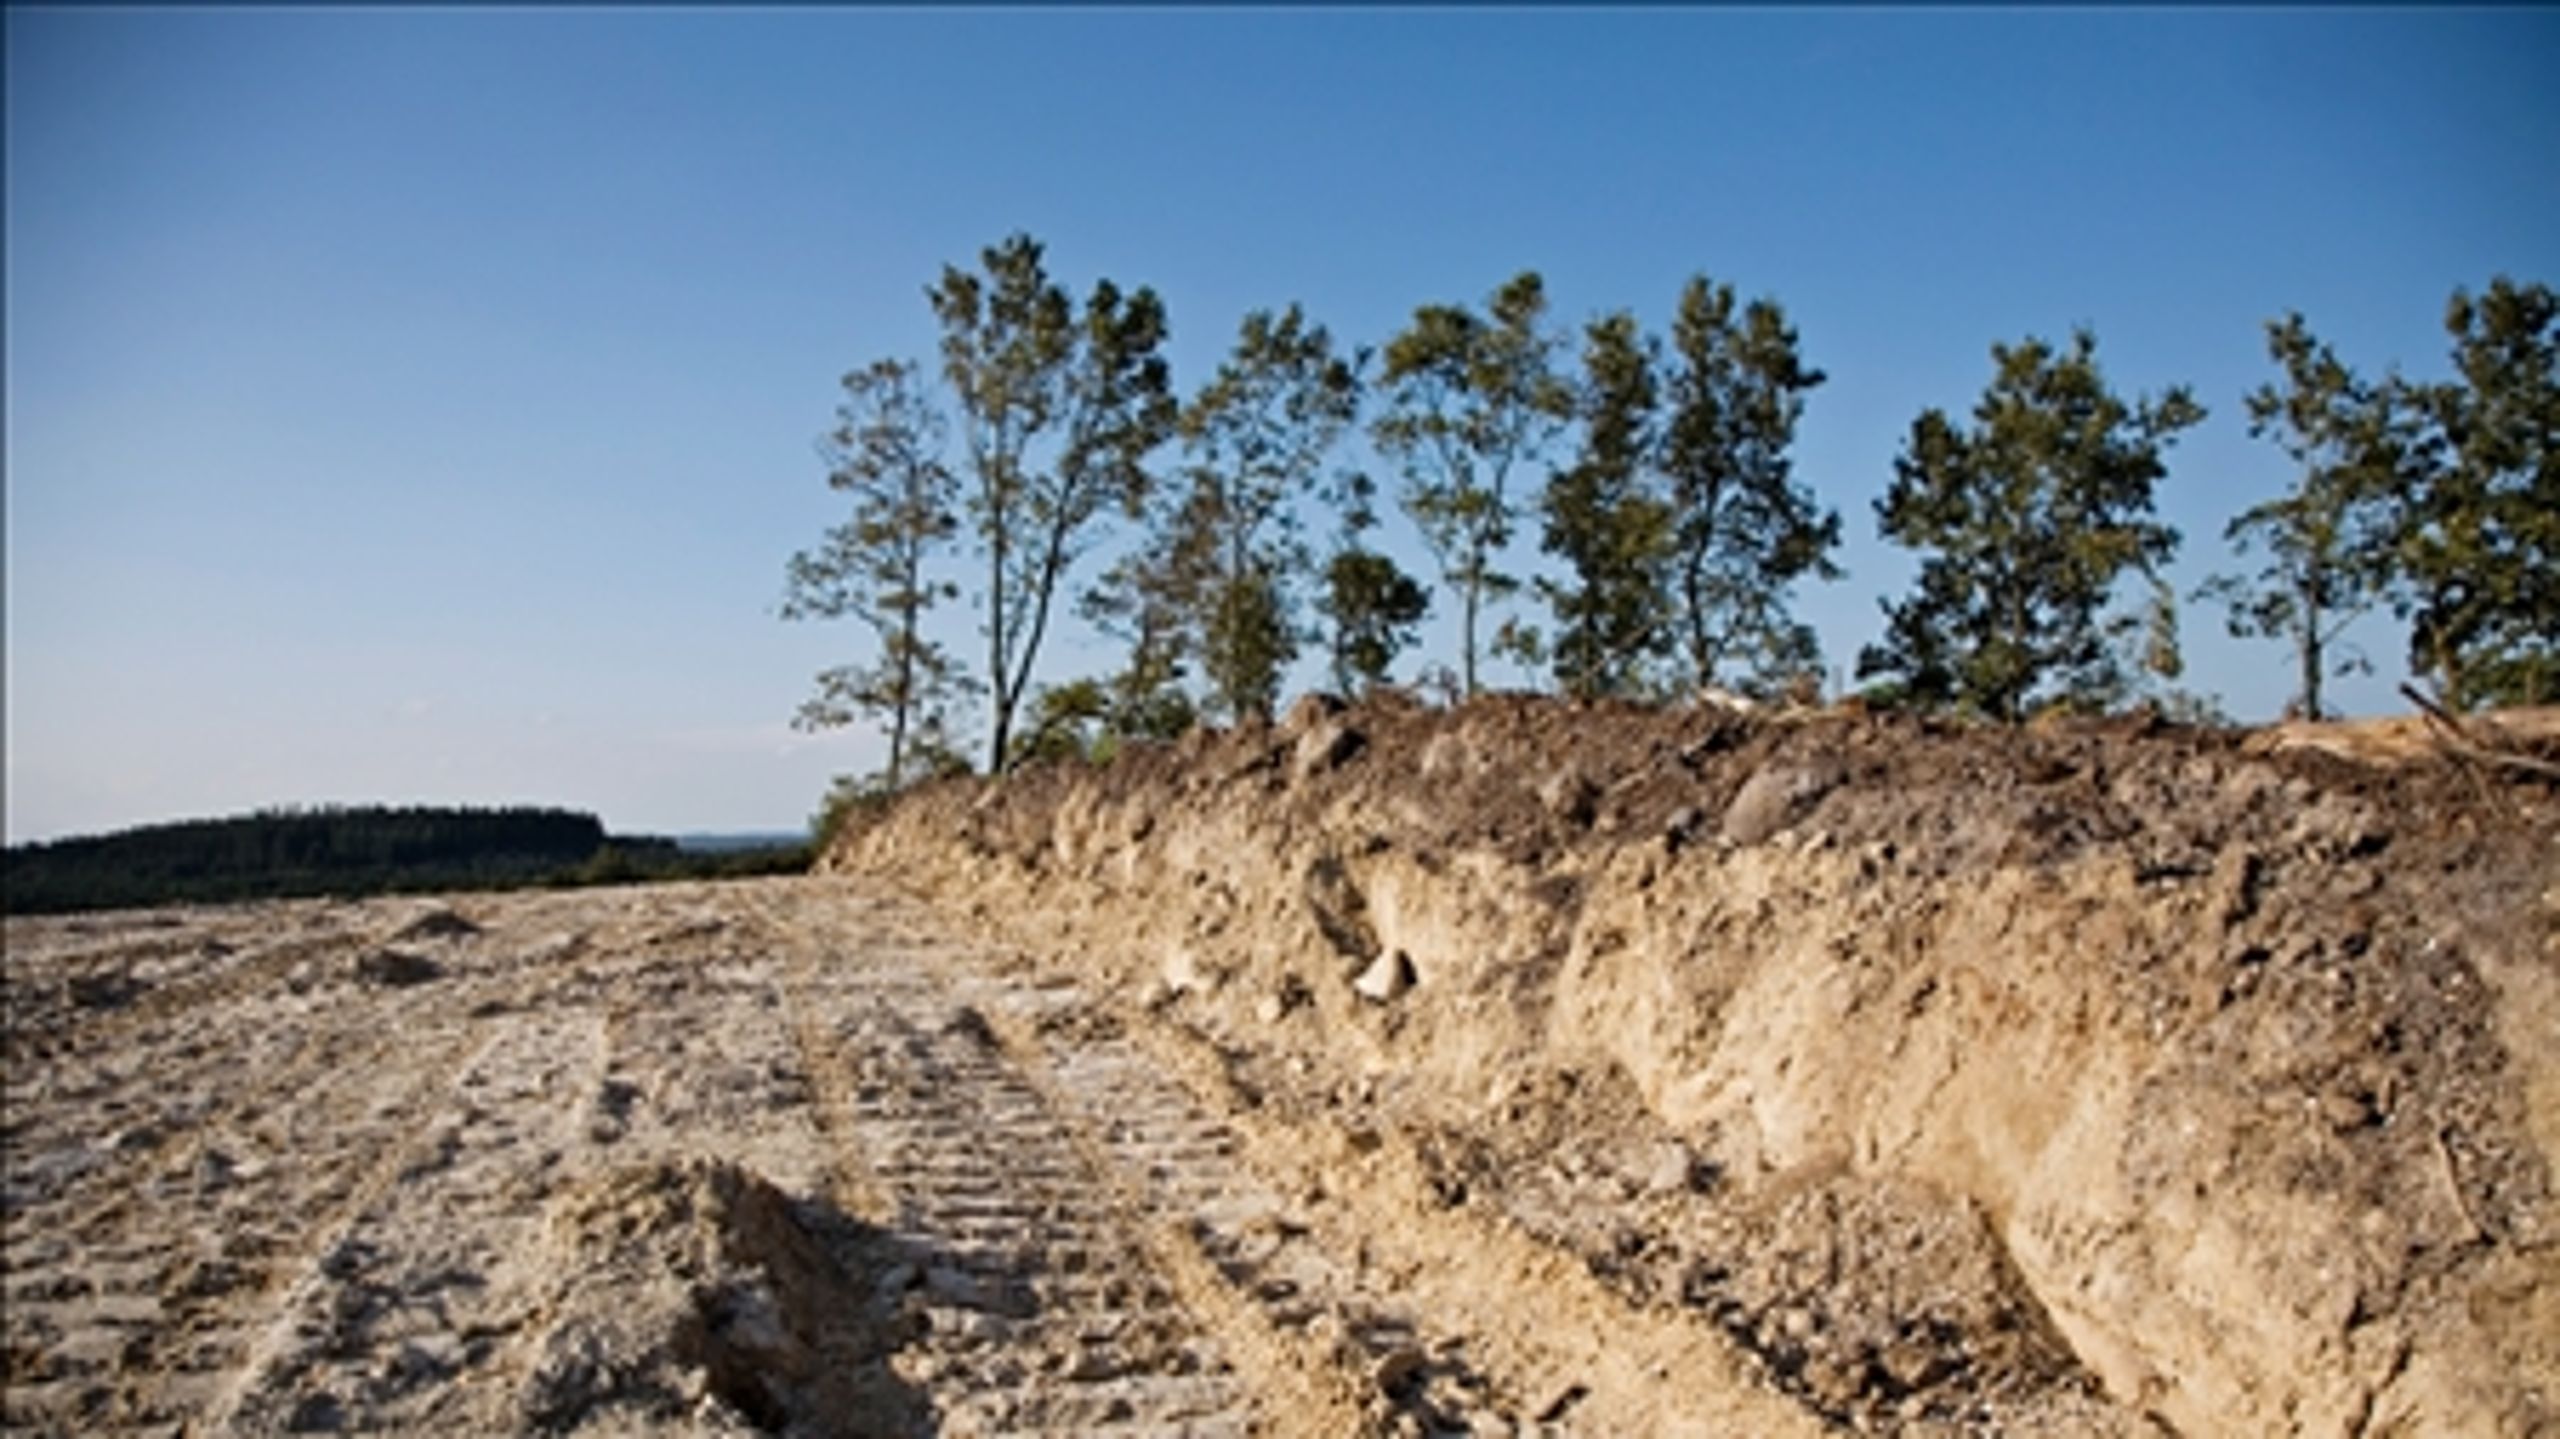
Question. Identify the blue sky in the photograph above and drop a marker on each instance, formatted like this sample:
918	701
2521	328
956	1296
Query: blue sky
419	404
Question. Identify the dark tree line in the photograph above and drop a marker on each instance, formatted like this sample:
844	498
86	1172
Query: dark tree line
1659	472
346	851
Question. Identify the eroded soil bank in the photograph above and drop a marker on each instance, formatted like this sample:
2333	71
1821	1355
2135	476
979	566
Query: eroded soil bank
2104	1077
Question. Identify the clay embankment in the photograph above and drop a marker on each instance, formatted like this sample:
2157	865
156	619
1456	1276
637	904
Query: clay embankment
2091	1078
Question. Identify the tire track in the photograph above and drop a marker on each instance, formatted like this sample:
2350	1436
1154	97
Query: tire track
399	1298
1041	1310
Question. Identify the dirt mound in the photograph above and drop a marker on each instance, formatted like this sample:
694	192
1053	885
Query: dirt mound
698	1293
2088	1077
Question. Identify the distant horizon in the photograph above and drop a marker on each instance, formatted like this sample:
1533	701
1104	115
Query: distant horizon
684	838
418	401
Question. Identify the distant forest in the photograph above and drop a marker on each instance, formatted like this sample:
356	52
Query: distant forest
352	851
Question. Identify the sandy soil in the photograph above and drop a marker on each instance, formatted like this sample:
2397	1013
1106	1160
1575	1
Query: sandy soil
778	1156
2096	1077
1520	1069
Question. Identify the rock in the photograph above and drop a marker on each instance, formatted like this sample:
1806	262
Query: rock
437	923
1449	755
1311	710
1671	1170
215	1170
398	967
1776	797
1183	974
1682	827
1386	978
320	1413
1270	1009
1324	747
1398	1371
104	991
1570	795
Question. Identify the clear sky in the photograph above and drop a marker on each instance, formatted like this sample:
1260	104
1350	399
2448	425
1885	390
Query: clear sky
418	404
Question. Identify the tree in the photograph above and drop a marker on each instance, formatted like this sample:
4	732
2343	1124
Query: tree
2028	520
1469	398
2325	539
885	451
1144	600
1605	518
1745	532
1258	434
1372	603
1059	410
2477	533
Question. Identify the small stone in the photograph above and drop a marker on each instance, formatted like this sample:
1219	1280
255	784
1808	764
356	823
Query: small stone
438	923
1326	746
1311	710
320	1413
1682	827
105	991
1182	972
1570	796
398	967
1775	797
1671	1170
1270	1009
1400	1369
1386	979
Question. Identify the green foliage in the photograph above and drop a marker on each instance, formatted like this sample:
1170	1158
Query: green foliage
2476	535
2325	540
1469	398
1608	520
1371	603
1059	409
1743	530
1067	722
886	452
1146	601
1258	434
1247	642
2027	520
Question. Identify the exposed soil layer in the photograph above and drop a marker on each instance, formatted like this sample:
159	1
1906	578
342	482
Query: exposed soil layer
777	1157
2098	1077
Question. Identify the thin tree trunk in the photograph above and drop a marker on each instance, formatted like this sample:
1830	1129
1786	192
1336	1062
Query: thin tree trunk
1001	691
2311	653
906	673
1467	636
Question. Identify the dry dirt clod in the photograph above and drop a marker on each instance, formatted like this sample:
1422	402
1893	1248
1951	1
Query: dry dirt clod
1775	797
398	968
440	922
1325	747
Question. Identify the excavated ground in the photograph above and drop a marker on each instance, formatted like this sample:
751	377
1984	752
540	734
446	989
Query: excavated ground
769	1157
1518	1069
2100	1077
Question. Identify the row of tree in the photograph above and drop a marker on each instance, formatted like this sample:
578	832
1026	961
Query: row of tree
1675	516
349	851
